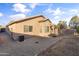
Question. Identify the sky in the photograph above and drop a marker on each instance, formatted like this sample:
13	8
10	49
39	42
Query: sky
54	11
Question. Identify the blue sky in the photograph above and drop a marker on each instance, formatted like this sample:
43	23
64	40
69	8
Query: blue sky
54	11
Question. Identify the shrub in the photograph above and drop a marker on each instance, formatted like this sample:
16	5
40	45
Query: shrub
77	29
53	35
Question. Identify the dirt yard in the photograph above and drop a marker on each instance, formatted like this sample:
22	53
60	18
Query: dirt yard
65	45
68	46
29	47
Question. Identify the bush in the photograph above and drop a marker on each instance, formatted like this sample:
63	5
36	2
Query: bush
77	29
53	35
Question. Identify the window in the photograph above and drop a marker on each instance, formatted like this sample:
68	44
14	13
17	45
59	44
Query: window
27	28
46	28
30	28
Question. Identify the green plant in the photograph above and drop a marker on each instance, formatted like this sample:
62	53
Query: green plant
77	29
74	22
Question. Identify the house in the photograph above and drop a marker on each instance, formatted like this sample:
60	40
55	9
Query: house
36	25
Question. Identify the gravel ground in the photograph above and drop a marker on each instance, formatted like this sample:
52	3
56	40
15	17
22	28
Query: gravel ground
29	47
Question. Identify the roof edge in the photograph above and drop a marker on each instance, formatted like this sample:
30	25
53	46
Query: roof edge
25	19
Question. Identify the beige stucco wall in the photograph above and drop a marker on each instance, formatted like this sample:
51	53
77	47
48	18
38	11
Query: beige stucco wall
19	27
43	24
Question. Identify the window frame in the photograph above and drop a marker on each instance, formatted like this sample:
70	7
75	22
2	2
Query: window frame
27	28
46	29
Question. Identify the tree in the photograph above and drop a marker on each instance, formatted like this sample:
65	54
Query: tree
77	29
62	25
74	22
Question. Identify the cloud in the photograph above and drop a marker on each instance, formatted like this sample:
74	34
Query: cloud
54	14
56	17
17	16
20	8
33	5
49	10
1	14
77	14
74	11
58	12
